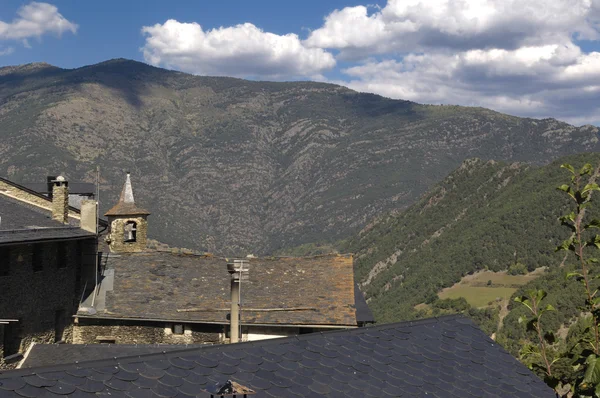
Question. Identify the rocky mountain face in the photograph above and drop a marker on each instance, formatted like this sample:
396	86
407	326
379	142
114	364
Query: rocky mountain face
235	166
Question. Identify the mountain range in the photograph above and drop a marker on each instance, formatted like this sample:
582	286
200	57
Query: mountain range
236	166
486	215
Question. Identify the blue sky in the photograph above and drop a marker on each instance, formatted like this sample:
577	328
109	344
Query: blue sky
538	58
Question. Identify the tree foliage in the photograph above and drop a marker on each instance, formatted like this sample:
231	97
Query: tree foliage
583	347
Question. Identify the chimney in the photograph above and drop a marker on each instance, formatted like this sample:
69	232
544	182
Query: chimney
239	272
49	185
60	200
89	215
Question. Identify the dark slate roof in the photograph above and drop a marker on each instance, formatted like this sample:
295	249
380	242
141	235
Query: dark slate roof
54	354
363	312
21	222
101	221
294	291
443	357
75	188
17	214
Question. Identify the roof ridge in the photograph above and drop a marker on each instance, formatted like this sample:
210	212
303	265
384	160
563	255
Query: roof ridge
225	347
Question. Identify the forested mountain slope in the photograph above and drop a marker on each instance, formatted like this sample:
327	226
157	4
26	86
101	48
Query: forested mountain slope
237	166
484	215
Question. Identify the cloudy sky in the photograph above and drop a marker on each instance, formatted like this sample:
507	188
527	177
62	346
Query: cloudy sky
538	58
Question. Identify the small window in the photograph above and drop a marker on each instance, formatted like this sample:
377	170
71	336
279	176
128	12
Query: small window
178	328
4	261
12	338
61	255
60	321
78	262
37	259
129	232
106	340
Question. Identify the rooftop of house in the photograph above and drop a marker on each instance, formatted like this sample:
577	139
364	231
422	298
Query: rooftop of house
317	291
75	188
41	205
55	354
24	222
438	357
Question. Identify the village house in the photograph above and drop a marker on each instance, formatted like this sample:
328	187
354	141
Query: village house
148	297
47	256
120	291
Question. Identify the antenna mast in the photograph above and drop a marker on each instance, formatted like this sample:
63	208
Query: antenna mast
97	237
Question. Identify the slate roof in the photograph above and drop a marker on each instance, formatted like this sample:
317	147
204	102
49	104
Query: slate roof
54	354
75	188
47	213
21	222
443	357
293	291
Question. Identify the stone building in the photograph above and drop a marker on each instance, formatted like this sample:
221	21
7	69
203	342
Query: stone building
128	223
46	259
149	297
55	285
156	297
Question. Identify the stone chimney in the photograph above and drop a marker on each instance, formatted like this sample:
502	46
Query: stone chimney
89	215
60	200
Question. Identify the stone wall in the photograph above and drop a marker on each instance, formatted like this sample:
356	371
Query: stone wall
43	295
117	227
94	331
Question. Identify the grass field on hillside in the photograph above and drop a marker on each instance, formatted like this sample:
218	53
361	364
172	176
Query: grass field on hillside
475	289
479	296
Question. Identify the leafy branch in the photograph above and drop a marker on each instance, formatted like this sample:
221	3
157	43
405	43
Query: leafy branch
533	302
580	239
576	243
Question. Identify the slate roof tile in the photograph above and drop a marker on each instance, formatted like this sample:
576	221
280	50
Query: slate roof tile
22	222
421	365
316	290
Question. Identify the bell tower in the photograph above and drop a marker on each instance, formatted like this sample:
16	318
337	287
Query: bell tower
128	223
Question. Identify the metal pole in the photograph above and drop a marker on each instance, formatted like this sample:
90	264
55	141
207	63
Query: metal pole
235	314
96	248
241	336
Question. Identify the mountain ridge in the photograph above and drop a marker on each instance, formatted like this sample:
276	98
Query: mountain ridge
485	215
248	166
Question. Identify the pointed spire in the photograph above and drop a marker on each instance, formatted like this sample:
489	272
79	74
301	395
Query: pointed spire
127	192
126	205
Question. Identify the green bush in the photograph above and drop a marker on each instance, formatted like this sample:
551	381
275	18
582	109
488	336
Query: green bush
517	269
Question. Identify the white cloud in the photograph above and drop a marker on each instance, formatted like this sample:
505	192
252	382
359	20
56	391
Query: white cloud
242	50
544	81
35	20
517	56
6	51
420	25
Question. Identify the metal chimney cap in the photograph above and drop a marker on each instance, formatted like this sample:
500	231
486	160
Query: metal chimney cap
238	266
229	388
